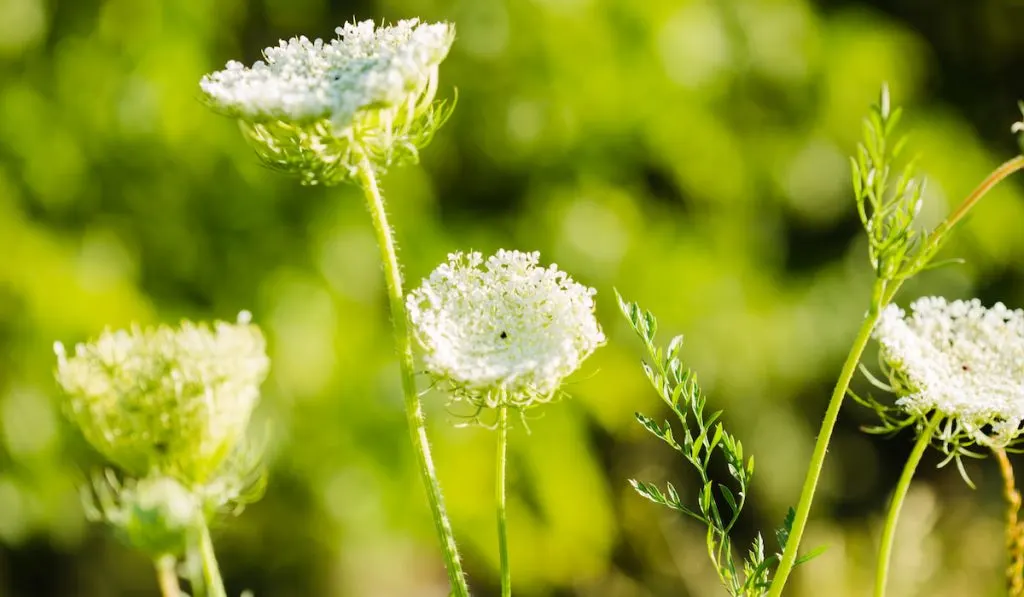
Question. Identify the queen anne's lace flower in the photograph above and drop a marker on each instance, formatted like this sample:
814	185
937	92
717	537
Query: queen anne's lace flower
313	108
961	361
173	401
505	330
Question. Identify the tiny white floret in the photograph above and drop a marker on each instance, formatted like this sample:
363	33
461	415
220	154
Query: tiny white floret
301	80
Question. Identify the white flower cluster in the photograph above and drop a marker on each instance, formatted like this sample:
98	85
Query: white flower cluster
505	330
302	81
316	109
166	400
961	360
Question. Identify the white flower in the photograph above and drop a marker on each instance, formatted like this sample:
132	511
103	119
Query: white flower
960	360
302	80
309	104
504	330
173	401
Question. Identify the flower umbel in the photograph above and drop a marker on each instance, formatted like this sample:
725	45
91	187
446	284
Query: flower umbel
505	330
173	401
312	108
961	361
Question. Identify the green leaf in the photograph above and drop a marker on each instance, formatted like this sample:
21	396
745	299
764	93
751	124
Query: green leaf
650	326
817	551
673	496
782	534
649	491
674	346
654	494
717	437
729	498
661	431
704	501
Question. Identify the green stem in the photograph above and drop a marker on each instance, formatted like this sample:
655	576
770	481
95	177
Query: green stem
882	295
211	571
889	530
803	508
194	571
167	576
413	406
499	487
1004	170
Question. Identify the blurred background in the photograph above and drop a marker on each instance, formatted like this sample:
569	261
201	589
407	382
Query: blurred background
691	154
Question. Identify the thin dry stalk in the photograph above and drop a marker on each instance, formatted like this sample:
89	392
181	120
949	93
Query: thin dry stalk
1014	528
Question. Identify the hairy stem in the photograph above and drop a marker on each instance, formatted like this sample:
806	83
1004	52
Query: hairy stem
211	571
499	488
167	576
803	508
413	406
1014	529
896	505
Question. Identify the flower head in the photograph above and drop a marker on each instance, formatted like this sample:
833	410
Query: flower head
504	330
173	401
315	108
961	361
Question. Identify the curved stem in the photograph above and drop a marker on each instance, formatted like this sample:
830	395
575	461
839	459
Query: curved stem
1004	170
167	576
899	494
1014	529
413	406
211	571
803	508
499	488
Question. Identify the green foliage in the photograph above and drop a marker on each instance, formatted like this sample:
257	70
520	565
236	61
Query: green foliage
889	198
689	156
702	435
